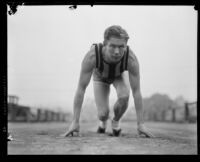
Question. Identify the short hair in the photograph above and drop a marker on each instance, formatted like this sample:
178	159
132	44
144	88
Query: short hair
115	31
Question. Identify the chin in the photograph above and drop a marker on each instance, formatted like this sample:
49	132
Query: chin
115	60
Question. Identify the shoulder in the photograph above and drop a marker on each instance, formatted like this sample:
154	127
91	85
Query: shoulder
133	64
89	59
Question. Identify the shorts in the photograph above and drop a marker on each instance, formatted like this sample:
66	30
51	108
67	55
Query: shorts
97	77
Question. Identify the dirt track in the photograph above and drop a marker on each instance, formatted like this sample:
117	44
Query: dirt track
43	138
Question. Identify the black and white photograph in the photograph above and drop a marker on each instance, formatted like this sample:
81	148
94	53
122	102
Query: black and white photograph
102	79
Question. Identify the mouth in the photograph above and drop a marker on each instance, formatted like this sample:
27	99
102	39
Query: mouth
116	57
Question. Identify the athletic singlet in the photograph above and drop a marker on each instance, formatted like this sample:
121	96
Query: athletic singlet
109	70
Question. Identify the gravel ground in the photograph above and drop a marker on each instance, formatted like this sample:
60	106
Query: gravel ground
44	138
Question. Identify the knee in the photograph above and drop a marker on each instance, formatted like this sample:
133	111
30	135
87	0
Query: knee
123	101
103	115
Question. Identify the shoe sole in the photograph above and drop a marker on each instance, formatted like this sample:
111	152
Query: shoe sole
101	130
116	133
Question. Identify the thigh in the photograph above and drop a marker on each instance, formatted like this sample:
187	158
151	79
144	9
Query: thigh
101	94
122	85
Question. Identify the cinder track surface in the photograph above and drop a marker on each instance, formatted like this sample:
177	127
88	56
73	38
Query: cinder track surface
44	138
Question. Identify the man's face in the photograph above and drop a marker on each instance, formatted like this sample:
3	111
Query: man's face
115	48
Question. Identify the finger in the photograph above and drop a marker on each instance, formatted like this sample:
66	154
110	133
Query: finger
66	134
69	133
148	134
72	133
141	134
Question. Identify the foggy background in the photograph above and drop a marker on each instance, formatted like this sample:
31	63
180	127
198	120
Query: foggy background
46	45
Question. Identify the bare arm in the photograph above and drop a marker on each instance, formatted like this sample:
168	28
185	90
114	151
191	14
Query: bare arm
87	66
134	78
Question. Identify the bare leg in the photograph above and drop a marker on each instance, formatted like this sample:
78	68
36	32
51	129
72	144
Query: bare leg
101	94
123	89
120	107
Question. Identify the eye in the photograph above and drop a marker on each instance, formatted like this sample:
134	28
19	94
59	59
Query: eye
121	47
112	46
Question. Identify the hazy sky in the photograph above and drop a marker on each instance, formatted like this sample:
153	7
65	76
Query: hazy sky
46	45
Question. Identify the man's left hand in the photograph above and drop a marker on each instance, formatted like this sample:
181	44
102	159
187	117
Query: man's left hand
142	130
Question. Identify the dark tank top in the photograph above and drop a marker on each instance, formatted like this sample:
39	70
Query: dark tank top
110	70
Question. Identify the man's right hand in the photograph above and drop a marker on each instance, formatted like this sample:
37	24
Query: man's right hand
74	128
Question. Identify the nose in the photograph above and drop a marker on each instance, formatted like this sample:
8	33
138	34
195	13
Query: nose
116	51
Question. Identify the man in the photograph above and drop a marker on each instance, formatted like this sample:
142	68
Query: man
107	63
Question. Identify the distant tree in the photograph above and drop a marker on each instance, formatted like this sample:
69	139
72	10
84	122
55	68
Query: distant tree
156	105
179	101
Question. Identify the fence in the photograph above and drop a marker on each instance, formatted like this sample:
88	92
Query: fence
186	113
19	113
